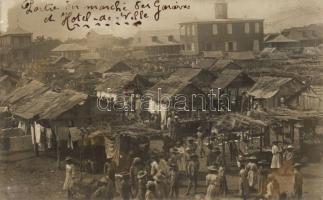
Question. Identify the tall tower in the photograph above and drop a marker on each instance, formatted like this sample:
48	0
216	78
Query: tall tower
221	9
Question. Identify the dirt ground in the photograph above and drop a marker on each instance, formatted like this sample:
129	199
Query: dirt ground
38	178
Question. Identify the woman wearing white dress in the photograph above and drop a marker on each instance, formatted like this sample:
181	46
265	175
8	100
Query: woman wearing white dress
275	162
212	183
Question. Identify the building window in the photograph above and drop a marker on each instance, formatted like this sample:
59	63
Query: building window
188	47
256	47
171	38
182	30
154	38
208	47
190	30
257	27
229	27
246	28
231	46
214	29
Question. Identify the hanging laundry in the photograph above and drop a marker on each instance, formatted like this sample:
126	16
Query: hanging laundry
49	137
76	134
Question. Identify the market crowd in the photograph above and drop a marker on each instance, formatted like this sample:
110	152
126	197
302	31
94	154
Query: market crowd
166	175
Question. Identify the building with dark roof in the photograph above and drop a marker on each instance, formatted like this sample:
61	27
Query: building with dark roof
222	33
15	46
280	42
70	51
158	42
307	36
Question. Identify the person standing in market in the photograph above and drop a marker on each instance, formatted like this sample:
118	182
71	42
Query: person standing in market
154	166
161	187
288	160
200	138
173	160
151	191
298	181
142	182
173	181
125	189
275	161
134	169
191	145
273	190
181	156
223	189
243	183
252	173
212	183
105	191
262	174
69	177
192	172
110	168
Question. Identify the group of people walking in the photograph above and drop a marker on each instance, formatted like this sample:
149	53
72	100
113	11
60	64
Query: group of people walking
165	174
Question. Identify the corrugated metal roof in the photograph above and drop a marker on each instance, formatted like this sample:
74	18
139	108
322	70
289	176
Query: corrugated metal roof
29	89
36	99
225	78
17	31
281	39
266	87
70	47
66	100
117	82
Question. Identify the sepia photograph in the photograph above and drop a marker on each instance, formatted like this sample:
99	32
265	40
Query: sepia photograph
161	100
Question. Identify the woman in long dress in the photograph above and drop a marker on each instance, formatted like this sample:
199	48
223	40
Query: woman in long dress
275	162
69	178
212	183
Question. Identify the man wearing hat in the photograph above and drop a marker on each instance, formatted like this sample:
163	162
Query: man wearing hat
288	160
212	182
191	145
125	189
298	181
252	172
173	181
262	173
110	168
69	178
174	157
142	181
134	169
192	173
181	156
105	191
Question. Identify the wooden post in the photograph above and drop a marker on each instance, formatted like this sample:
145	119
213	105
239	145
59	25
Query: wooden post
81	155
223	151
261	142
58	148
292	130
35	141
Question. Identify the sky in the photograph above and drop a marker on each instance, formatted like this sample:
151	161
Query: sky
278	14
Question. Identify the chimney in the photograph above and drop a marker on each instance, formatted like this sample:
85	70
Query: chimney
221	9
